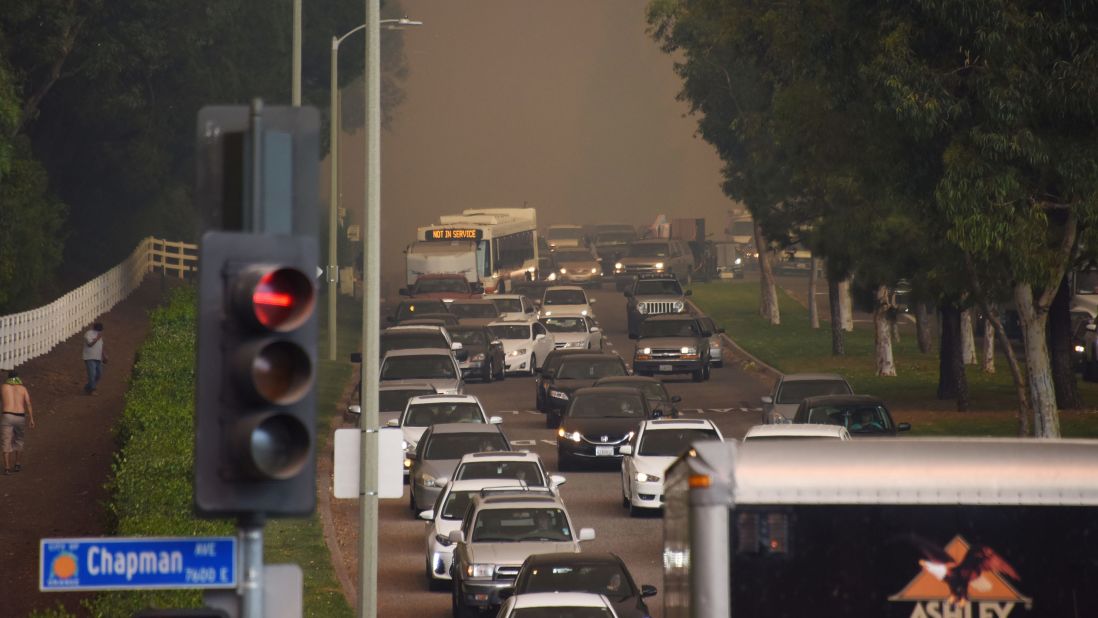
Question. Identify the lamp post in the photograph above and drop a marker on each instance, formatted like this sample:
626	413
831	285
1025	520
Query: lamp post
333	218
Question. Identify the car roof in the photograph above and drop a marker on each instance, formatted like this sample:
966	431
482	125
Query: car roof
518	498
515	321
796	430
627	379
405	327
439	398
806	377
418	352
470	301
677	423
405	386
838	400
504	296
671	317
452	428
566	314
560	599
606	390
478	484
553	288
502	456
571	558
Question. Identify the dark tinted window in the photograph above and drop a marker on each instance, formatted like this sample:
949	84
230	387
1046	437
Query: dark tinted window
427	414
608	406
474	310
511	331
442	285
598	578
434	367
409	310
509	305
562	612
589	369
671	442
796	391
469	337
658	287
525	471
521	524
397	400
564	297
856	418
649	250
456	503
458	445
566	325
409	341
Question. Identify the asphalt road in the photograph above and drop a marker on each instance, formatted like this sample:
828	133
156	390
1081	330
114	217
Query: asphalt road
730	398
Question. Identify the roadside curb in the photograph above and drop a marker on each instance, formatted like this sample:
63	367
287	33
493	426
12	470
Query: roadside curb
770	372
324	509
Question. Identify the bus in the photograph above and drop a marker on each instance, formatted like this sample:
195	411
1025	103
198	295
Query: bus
502	242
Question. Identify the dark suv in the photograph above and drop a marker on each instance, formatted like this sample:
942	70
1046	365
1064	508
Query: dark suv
575	372
672	344
653	295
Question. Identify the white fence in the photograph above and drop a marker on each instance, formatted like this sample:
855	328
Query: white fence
30	334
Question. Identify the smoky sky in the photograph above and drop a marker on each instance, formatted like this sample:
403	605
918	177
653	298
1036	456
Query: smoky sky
567	106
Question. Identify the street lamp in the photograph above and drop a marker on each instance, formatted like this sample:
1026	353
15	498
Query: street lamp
333	218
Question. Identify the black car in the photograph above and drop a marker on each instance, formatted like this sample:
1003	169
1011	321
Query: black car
654	391
604	574
552	361
411	309
862	415
598	421
484	354
575	372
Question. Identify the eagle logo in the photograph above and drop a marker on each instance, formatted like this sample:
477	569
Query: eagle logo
960	573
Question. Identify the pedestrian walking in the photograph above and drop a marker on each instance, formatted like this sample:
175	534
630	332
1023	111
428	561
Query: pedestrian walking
95	356
17	417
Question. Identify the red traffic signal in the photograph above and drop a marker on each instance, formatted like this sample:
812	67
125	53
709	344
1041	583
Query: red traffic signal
278	298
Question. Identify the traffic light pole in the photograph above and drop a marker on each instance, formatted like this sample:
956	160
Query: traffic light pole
249	530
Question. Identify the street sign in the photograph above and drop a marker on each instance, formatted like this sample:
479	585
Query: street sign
136	563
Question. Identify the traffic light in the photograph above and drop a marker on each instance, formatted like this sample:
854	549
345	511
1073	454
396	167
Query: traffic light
255	413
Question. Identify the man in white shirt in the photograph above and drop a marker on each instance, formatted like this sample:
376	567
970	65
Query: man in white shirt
94	356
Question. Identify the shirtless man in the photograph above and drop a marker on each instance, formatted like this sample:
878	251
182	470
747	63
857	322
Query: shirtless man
17	416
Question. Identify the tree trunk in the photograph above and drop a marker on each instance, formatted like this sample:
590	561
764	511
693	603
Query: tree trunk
1024	410
838	344
923	331
813	306
988	362
846	304
1046	419
768	293
883	338
1059	342
952	382
968	341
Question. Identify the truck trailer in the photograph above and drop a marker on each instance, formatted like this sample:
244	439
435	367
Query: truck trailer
883	528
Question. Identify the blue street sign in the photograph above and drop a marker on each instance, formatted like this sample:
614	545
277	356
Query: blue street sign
136	563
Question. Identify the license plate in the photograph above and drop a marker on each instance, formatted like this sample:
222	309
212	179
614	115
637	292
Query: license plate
604	451
666	368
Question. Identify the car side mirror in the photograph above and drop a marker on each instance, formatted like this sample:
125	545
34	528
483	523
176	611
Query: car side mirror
657	413
495	420
539	336
404	292
548	373
676	398
720	331
427	515
634	336
393	423
767	399
629	293
903	427
456	536
457	345
441	481
595	329
495	343
592	301
688	293
706	334
626	449
356	357
556	480
587	534
648	590
355	409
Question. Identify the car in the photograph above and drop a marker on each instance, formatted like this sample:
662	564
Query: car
525	343
803	431
557	605
780	405
611	244
560	236
716	347
552	362
566	300
659	400
474	312
651	295
411	309
598	421
575	372
668	256
433	319
433	366
671	344
442	286
410	336
513	306
520	467
574	332
426	410
499	531
483	353
795	259
650	451
594	573
392	399
578	265
446	515
862	415
438	452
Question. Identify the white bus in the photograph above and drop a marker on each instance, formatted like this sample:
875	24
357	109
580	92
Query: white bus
503	242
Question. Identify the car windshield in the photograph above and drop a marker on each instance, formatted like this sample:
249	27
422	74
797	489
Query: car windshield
669	328
427	414
607	406
427	367
590	369
564	297
565	325
650	390
658	287
521	524
407	341
648	250
671	442
474	310
397	400
456	504
448	284
510	331
526	472
613	238
598	578
856	418
565	232
407	311
562	612
458	445
795	391
470	337
508	305
574	255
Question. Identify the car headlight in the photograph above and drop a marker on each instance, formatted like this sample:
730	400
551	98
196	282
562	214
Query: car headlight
583	312
478	358
659	265
407	464
738	261
551	277
618	266
679	306
594	271
558	394
646	478
688	350
569	435
1080	349
642	308
480	570
443	540
646	351
518	352
427	480
573	344
405	445
564	271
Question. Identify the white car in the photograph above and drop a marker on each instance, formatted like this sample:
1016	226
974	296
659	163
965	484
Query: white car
513	306
787	431
565	235
653	448
426	410
574	332
526	343
446	515
565	300
519	467
578	604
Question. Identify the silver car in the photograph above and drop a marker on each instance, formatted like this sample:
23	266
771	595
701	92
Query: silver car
433	366
790	390
439	451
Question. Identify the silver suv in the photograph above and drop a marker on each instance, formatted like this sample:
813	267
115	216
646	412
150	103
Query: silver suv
672	344
668	256
497	534
653	295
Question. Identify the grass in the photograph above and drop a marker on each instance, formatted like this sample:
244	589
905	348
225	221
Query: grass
793	346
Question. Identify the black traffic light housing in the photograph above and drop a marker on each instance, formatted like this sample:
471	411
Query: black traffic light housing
255	413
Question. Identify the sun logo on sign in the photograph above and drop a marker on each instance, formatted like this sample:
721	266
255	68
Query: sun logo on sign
64	566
